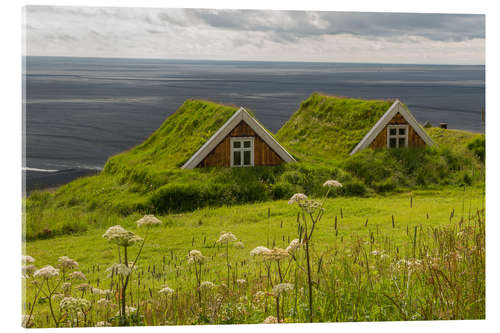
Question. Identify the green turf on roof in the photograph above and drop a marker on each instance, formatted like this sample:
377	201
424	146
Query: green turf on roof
329	127
178	138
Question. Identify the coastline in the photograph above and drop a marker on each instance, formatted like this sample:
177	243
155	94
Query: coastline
42	180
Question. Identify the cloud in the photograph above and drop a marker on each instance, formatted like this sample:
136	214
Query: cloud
253	34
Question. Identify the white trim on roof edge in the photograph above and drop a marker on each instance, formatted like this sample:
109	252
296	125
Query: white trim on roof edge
385	119
231	123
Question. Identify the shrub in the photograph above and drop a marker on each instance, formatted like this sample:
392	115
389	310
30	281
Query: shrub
478	147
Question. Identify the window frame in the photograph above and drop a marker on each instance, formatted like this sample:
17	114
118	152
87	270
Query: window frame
242	150
397	136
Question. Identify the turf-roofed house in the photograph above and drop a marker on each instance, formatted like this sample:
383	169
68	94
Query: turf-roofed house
240	142
397	128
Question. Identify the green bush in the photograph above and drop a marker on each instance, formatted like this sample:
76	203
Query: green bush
478	147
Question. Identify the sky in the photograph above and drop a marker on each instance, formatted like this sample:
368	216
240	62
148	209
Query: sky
261	35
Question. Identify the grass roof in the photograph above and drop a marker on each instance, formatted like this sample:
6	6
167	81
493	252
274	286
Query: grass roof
329	127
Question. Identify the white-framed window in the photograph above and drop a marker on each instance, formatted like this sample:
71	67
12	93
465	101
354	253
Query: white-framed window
241	151
397	136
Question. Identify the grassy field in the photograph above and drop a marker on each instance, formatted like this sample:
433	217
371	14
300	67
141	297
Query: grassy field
407	256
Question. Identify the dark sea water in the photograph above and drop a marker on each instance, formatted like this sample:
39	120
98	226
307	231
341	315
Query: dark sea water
81	111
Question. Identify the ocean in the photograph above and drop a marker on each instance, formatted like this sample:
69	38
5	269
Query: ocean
81	111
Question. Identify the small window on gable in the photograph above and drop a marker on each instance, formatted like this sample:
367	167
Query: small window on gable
397	136
241	151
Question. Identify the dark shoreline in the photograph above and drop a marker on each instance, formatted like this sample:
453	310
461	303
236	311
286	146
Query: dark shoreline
39	180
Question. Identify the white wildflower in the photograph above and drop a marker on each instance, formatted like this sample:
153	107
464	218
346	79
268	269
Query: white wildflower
166	291
77	275
27	270
226	237
57	296
239	245
332	183
104	292
276	254
148	221
270	320
118	235
65	262
118	269
128	310
66	286
207	285
282	288
241	282
297	197
294	246
195	256
46	272
103	302
84	287
259	250
27	259
73	304
102	324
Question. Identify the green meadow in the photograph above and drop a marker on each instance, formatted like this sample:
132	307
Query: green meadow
401	239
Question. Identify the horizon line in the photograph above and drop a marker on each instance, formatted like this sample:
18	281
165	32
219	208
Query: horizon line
237	60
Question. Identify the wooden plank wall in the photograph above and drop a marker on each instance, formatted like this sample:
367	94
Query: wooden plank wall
221	155
414	140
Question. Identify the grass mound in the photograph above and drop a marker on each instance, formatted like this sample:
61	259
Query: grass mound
148	178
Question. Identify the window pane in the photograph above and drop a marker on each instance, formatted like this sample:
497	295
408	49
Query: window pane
402	131
246	144
392	143
246	158
237	158
236	144
402	142
392	131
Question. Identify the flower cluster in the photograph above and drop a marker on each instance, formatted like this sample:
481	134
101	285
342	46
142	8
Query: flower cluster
276	254
166	291
27	270
294	246
46	272
77	275
282	288
207	285
297	198
226	237
103	302
118	235
73	304
148	221
332	183
259	251
239	245
241	282
270	320
27	259
195	257
102	324
66	262
104	292
118	269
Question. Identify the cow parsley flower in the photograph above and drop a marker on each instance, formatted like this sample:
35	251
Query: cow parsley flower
118	269
270	320
259	251
226	237
46	272
332	183
282	288
294	246
77	275
84	287
66	286
241	282
103	302
207	285
195	256
148	221
27	270
66	262
297	197
27	259
118	235
276	254
239	245
102	324
104	292
166	291
73	304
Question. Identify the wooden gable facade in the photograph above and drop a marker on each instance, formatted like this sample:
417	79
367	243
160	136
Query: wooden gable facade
397	128
221	154
240	142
